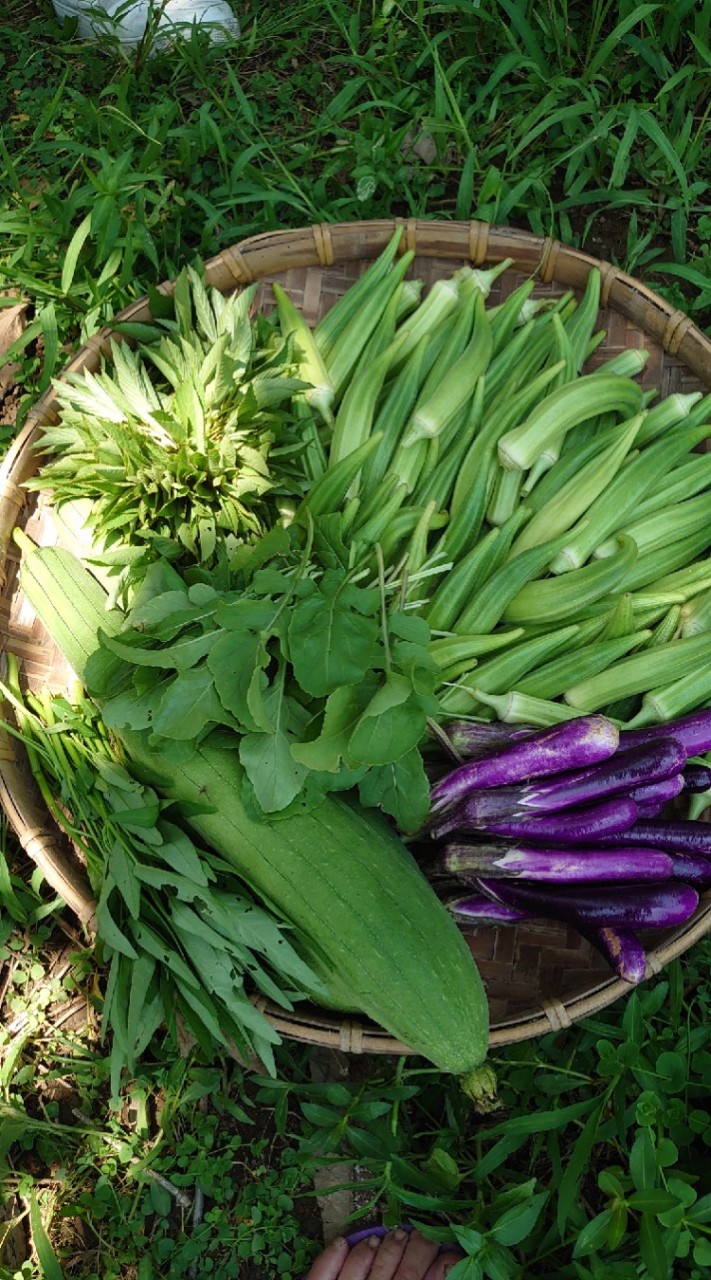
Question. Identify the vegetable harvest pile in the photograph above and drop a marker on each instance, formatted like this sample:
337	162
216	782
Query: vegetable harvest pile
317	566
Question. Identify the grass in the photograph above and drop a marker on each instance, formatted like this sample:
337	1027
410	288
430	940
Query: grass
587	122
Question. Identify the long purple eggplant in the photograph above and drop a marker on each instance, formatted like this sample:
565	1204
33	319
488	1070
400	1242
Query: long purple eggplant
555	866
693	730
479	910
673	837
658	792
587	825
697	778
626	770
642	907
650	809
476	739
691	868
622	949
583	741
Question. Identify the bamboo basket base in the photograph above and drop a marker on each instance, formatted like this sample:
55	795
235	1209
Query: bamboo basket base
540	976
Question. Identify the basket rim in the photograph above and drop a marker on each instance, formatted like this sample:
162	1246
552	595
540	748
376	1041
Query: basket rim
326	244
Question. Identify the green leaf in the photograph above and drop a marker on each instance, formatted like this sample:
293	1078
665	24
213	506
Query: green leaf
401	789
332	636
643	1160
274	773
619	1217
179	656
236	663
593	1235
47	1258
702	1253
391	725
123	872
107	928
343	709
189	704
654	1200
71	257
576	1165
518	1222
651	1247
179	852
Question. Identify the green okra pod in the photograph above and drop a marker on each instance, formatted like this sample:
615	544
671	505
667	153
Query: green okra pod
579	326
349	345
609	512
355	416
450	649
688	581
505	497
436	305
668	525
341	315
676	698
554	677
452	594
682	482
669	412
390	419
659	564
621	620
520	708
666	629
643	671
562	409
368	532
506	669
493	600
696	615
573	499
554	599
329	491
508	316
437	407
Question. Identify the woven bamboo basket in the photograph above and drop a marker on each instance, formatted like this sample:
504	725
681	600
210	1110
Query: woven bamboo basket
540	976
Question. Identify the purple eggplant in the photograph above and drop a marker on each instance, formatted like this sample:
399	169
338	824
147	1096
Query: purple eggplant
658	906
475	739
658	792
554	866
627	769
693	731
650	810
583	741
680	836
696	778
480	910
691	868
622	949
587	825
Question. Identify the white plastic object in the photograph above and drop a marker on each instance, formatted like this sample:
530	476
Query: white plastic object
128	20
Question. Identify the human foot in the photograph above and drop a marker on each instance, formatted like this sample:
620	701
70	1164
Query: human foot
398	1256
